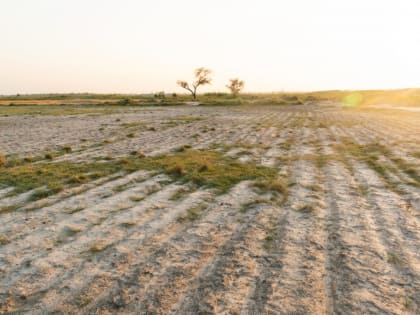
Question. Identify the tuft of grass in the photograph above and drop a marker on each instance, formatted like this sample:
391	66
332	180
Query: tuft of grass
133	124
122	207
272	235
130	135
188	119
306	208
245	207
97	247
192	214
74	210
321	160
73	229
121	188
67	149
179	194
177	170
128	224
183	148
42	193
4	239
394	259
78	179
9	208
48	156
2	160
27	159
272	186
406	302
136	198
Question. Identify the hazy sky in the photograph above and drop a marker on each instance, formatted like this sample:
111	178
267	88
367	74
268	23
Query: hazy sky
145	46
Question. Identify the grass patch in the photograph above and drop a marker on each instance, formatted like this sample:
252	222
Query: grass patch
208	168
371	154
50	178
408	168
204	168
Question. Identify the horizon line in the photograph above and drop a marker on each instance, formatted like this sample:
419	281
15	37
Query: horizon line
213	92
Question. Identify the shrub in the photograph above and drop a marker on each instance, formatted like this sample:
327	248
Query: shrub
67	149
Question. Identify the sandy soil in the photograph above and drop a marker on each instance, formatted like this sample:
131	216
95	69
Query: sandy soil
345	241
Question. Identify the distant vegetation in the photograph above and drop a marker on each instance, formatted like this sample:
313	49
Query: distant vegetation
235	86
403	97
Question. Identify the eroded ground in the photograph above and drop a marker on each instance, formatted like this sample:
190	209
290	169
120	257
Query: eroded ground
341	236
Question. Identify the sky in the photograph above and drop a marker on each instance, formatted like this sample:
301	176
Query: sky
142	46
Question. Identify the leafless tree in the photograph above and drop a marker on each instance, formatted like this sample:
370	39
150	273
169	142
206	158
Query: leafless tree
202	77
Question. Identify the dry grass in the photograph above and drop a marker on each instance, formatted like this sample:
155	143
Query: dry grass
276	186
4	239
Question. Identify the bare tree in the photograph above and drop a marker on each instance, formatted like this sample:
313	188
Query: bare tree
235	86
201	78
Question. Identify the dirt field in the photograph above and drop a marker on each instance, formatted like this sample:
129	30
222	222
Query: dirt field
339	234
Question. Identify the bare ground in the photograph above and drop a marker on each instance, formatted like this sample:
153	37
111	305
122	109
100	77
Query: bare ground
345	239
